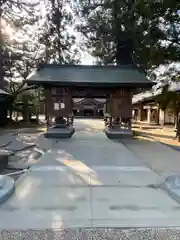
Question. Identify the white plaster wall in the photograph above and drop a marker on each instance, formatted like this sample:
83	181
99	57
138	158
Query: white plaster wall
161	117
169	116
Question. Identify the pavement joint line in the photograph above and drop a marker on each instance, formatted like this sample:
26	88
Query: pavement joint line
7	189
88	185
145	163
131	169
116	168
159	141
17	172
170	146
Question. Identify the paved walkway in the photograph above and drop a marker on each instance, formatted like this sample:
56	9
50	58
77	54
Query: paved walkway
90	181
165	135
159	157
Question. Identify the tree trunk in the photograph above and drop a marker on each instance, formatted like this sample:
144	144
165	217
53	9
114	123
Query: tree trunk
10	114
158	111
176	118
1	54
124	48
3	110
17	115
124	53
37	116
29	115
25	114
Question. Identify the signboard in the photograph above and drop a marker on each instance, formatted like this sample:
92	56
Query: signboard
56	106
62	105
88	106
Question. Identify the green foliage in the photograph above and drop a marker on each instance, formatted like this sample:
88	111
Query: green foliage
16	17
58	41
165	98
32	39
148	30
175	103
20	51
168	98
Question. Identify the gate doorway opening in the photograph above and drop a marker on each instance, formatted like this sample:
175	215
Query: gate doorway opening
88	113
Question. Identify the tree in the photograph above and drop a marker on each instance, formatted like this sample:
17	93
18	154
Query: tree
170	98
34	42
20	50
29	103
58	41
14	14
21	62
141	32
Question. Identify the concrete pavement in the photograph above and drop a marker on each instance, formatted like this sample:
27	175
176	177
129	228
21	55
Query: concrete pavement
90	181
7	187
159	157
165	135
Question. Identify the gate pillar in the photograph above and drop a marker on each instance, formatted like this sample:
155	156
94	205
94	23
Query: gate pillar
119	108
59	105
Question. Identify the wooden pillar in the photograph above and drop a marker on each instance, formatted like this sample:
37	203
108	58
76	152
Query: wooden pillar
59	104
149	114
140	112
67	120
161	117
72	119
110	122
120	105
48	103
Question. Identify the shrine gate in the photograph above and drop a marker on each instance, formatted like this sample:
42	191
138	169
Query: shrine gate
115	83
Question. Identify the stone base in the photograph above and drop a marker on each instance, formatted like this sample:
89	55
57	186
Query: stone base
7	187
66	132
172	186
4	158
60	126
116	133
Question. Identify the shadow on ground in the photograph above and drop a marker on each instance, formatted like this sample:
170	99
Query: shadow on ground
154	137
85	126
153	134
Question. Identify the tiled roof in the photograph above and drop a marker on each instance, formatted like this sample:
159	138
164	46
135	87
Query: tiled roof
175	86
89	75
2	92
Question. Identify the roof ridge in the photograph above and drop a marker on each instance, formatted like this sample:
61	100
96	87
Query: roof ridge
55	65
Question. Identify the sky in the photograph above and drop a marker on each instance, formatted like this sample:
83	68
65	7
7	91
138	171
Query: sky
12	34
86	58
